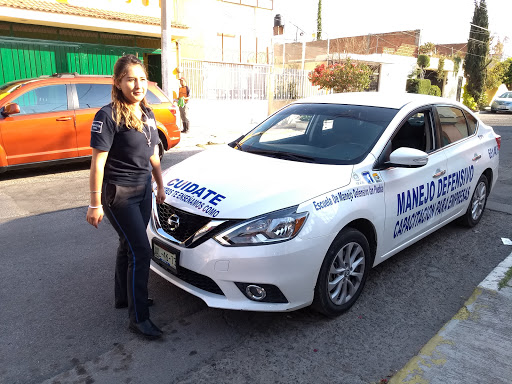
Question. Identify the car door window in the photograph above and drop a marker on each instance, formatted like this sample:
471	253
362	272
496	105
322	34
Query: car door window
45	99
93	95
415	132
453	125
471	123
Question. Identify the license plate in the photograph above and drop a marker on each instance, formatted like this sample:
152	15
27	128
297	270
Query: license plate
167	257
502	107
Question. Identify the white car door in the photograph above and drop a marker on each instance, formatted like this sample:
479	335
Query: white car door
465	154
411	196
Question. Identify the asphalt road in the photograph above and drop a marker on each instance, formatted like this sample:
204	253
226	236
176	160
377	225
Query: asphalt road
58	324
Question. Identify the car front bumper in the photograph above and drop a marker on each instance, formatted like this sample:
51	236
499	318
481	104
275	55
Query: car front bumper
291	266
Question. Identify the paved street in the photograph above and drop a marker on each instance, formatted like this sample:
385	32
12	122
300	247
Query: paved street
58	324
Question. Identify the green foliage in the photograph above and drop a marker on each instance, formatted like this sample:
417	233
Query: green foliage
434	90
507	76
495	74
468	100
423	61
319	21
483	101
475	61
421	86
441	74
427	49
286	91
456	64
346	77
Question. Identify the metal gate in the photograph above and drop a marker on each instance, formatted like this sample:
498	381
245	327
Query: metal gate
221	81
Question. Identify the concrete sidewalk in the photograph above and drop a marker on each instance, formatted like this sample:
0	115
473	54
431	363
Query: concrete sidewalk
475	346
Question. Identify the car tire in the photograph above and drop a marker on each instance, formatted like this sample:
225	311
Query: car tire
343	273
493	111
477	204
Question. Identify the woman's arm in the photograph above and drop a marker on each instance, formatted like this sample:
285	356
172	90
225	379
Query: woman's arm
95	210
157	175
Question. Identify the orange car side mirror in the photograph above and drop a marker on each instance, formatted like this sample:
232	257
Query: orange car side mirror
11	109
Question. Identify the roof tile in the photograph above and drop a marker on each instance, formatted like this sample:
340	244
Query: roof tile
68	9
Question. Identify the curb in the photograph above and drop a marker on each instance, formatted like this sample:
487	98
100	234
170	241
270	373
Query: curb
431	356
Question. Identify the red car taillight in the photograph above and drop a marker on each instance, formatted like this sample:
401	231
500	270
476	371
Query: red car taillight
498	141
173	111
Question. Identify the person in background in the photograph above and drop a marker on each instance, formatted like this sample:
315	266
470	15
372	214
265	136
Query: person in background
183	97
124	141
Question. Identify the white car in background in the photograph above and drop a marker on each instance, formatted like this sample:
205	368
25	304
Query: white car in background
502	103
297	211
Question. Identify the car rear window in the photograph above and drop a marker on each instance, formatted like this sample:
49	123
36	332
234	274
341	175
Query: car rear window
93	95
319	133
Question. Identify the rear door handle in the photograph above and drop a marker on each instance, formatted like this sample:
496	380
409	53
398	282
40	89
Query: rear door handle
439	173
63	118
477	157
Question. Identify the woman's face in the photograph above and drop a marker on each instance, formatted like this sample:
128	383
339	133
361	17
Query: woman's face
133	84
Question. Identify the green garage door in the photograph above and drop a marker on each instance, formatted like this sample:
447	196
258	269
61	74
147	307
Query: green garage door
25	58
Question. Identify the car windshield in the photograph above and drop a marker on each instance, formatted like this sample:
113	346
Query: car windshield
506	95
319	133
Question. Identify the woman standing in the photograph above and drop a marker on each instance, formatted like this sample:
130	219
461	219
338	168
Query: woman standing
124	141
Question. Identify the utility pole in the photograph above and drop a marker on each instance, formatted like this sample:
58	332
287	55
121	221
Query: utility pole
167	15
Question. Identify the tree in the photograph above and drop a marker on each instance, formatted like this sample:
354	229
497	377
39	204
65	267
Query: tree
495	74
427	49
476	60
507	77
319	21
423	62
348	76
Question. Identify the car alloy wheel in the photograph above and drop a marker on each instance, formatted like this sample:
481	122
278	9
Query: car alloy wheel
478	201
346	273
477	205
343	273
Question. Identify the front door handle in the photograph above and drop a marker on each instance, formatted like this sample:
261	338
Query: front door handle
439	173
477	157
63	118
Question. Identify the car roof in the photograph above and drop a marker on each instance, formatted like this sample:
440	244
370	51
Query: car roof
376	99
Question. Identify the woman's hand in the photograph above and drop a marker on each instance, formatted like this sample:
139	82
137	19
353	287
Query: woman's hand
94	216
160	195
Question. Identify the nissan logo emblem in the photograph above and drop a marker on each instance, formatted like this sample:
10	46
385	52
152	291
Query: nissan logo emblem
174	222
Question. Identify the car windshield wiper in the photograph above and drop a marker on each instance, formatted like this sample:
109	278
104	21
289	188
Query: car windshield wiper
283	155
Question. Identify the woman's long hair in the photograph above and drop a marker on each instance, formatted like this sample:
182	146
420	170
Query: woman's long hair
120	111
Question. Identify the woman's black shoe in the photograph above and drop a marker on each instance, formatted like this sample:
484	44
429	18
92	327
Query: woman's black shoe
124	304
146	328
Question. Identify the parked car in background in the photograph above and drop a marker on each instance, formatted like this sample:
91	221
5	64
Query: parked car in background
503	103
49	118
297	211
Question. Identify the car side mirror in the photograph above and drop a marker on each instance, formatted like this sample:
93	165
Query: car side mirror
11	109
407	158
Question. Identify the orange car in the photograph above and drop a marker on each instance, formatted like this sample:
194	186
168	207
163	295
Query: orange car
49	118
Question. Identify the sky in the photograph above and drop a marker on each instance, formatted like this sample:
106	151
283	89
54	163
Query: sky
440	21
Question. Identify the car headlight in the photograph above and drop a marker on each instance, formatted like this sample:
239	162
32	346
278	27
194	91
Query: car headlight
272	227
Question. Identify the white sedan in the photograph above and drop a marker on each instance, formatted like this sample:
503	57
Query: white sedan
297	211
502	103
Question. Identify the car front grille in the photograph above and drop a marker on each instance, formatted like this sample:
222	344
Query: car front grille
189	223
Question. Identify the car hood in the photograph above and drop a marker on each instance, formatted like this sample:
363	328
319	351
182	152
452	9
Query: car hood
225	183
